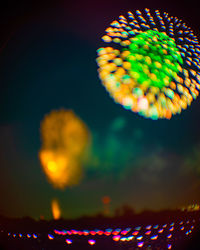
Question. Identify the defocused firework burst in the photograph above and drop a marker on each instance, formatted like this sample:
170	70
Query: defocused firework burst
151	65
65	139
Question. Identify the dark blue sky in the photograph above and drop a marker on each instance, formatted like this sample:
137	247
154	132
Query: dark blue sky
47	61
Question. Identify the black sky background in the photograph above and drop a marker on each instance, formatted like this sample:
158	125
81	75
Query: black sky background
47	61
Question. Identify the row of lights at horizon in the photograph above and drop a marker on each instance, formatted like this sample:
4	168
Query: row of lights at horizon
50	236
118	231
119	234
109	231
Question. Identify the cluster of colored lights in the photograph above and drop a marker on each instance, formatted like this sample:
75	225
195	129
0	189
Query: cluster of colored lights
152	65
191	208
139	237
154	235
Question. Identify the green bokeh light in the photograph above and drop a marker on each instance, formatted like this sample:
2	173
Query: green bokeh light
154	59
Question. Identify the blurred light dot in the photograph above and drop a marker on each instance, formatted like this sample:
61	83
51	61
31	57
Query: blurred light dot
68	241
116	237
140	244
91	242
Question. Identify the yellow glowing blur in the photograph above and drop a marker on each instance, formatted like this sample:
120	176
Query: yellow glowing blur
65	138
55	209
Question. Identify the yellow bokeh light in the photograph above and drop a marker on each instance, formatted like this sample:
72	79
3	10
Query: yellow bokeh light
52	166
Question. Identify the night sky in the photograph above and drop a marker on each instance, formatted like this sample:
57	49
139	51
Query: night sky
47	62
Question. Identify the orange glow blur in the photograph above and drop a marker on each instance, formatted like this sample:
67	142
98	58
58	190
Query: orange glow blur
106	200
55	209
60	169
